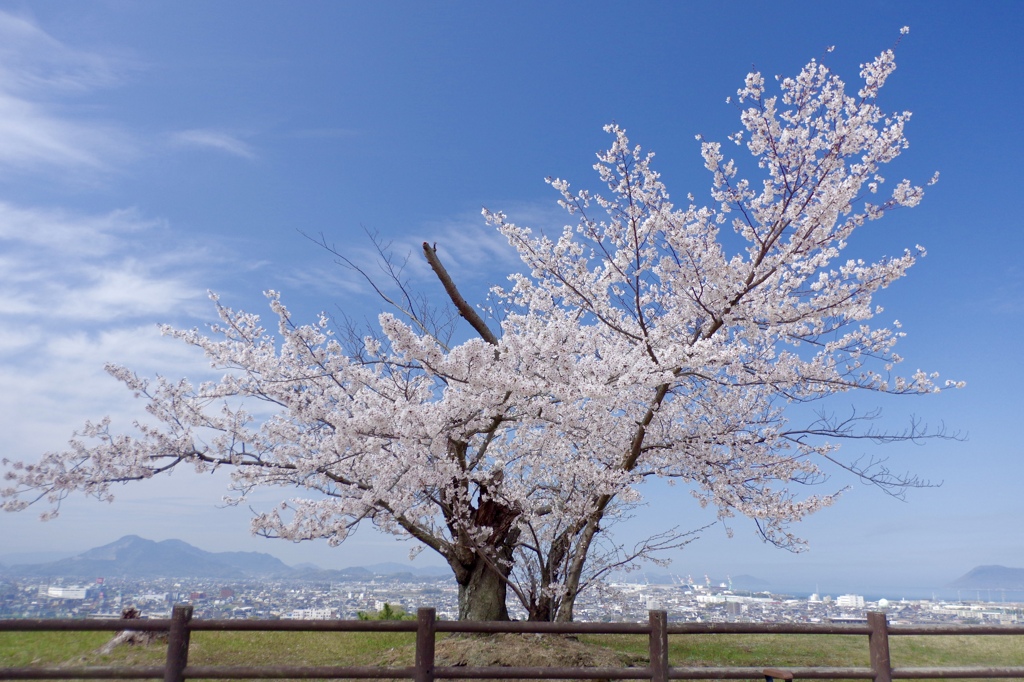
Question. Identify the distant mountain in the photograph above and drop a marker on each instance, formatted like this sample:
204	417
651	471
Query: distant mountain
135	557
395	568
749	582
254	562
32	557
991	577
317	574
386	571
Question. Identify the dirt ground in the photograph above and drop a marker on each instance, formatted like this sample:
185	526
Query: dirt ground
517	650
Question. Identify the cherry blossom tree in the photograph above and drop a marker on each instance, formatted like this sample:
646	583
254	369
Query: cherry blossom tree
637	342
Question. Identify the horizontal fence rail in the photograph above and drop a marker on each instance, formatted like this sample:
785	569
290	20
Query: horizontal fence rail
180	627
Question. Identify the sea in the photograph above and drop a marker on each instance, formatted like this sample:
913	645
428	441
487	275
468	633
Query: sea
896	593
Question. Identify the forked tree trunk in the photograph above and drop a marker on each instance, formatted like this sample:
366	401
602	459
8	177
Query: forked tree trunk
482	593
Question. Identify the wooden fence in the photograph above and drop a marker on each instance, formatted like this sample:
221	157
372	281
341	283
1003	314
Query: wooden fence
180	626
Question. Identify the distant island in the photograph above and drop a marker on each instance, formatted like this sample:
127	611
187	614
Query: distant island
135	557
990	578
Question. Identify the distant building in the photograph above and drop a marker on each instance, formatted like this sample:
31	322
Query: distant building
853	601
310	614
65	592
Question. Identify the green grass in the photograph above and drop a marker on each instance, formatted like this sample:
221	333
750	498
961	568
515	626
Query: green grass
958	650
750	650
293	648
38	649
22	649
206	648
827	650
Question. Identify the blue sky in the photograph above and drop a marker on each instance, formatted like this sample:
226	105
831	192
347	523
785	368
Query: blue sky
152	151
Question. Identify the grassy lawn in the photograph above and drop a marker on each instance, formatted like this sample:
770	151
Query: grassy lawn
206	648
294	648
318	648
750	650
21	649
827	650
959	650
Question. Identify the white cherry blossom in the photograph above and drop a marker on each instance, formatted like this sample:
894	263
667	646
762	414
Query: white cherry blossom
634	345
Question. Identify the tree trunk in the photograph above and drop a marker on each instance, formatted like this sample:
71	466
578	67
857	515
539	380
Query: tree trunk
579	558
482	593
540	609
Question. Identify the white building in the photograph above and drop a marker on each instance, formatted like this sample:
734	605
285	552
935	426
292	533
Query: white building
310	614
853	601
57	592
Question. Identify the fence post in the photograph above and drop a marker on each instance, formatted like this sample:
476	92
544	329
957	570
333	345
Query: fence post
878	644
177	643
659	646
425	619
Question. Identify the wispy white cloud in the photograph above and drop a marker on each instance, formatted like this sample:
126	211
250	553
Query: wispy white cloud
58	380
58	231
78	291
38	75
34	62
325	281
91	268
475	254
214	139
31	138
474	250
42	131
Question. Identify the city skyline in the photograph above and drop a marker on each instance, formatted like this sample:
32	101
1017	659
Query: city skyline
132	558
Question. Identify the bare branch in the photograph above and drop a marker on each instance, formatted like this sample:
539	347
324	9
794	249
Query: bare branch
467	311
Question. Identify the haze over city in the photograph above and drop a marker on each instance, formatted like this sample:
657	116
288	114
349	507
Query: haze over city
152	152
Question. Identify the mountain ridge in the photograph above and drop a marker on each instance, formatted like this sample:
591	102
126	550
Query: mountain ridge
991	576
132	556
